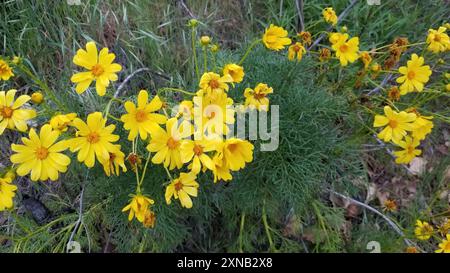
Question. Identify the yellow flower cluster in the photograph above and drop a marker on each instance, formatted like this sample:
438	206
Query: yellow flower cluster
424	231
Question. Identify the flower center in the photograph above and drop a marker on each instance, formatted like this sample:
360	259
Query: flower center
93	137
393	123
141	116
41	153
6	112
343	48
410	149
112	157
97	70
214	84
296	48
437	38
178	186
198	150
259	96
232	148
172	143
212	115
411	75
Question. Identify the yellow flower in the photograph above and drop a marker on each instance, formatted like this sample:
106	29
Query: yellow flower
444	246
447	87
37	97
60	122
138	207
376	68
415	75
335	37
41	155
166	143
444	228
296	49
306	37
16	60
100	66
215	48
397	123
185	110
213	84
94	139
276	38
330	16
365	58
142	119
422	127
11	113
258	97
346	51
235	71
409	151
423	230
5	71
115	162
196	151
438	40
182	188
221	170
411	249
7	193
205	40
236	152
215	115
149	219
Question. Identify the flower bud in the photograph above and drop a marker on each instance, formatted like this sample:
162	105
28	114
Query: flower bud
37	97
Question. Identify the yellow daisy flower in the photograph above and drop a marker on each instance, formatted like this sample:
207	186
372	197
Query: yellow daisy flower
5	71
196	151
138	207
409	151
142	119
294	50
41	155
415	75
100	66
221	170
335	37
438	40
60	122
11	114
396	124
306	37
257	98
182	188
346	51
422	127
115	162
423	230
215	115
166	143
276	38
235	71
7	193
94	139
236	152
213	84
330	16
444	246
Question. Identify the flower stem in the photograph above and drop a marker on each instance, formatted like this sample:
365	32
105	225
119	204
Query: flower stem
249	49
267	228
194	52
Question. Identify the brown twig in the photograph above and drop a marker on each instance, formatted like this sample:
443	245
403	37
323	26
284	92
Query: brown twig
301	18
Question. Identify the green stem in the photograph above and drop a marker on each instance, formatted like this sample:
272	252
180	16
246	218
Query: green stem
145	169
267	228
205	60
249	49
240	232
194	52
165	89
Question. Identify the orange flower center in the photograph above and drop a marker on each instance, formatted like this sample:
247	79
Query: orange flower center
198	150
259	96
296	48
93	137
41	153
393	123
97	70
172	143
411	75
343	48
232	147
6	112
214	84
178	186
410	149
141	116
437	38
212	115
